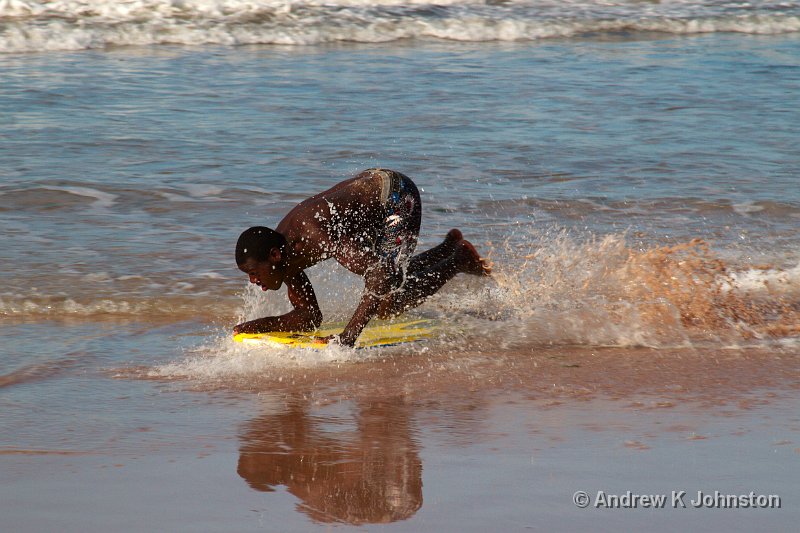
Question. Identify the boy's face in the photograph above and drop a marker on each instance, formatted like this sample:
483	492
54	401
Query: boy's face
266	274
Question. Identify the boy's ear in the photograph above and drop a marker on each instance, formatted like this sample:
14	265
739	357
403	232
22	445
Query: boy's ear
275	255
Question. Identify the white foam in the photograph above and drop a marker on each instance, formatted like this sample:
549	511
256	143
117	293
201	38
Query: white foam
98	277
77	306
209	275
766	282
204	191
32	307
102	200
222	358
747	208
31	25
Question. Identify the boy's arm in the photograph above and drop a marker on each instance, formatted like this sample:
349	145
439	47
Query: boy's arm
305	316
377	284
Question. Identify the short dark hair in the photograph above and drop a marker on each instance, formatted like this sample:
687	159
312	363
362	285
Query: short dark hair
256	242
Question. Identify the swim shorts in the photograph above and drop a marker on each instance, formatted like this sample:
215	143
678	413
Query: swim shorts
397	238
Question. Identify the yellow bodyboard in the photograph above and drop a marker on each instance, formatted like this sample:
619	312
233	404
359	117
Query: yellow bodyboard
377	333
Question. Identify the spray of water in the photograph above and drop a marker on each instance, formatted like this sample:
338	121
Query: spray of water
555	288
549	288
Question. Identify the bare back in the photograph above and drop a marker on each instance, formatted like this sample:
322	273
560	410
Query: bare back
342	222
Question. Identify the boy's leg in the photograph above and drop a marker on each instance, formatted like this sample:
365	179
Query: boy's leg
436	254
425	277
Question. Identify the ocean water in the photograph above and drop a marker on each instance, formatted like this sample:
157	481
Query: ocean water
631	168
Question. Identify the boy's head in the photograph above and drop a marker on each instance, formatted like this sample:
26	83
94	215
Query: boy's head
259	254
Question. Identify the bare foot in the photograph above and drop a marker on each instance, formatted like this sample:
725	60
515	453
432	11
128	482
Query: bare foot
454	236
448	247
470	261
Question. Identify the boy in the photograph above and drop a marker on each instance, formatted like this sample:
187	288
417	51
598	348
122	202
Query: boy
370	225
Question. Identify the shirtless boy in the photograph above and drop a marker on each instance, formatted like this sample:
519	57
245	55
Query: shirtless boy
370	225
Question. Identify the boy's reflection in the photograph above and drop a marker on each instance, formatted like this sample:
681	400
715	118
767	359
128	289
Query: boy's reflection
369	475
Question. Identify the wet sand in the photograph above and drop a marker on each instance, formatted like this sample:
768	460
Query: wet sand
421	442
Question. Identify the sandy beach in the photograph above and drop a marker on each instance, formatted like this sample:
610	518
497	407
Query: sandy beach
478	442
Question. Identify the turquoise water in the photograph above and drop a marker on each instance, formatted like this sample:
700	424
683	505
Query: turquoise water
584	166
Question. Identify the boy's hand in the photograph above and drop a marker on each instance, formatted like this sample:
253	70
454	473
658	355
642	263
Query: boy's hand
241	328
331	339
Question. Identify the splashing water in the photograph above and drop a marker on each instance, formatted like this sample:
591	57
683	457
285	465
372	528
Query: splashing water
602	292
555	288
549	288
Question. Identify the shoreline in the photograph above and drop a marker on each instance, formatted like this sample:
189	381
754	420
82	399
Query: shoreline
431	463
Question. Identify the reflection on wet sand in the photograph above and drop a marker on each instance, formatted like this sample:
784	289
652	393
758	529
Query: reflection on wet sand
367	473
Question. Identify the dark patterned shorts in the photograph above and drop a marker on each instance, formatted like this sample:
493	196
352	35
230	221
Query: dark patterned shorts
396	240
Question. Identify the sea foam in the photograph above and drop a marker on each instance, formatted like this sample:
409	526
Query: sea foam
30	25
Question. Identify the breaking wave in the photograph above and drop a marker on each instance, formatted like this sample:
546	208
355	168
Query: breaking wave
36	25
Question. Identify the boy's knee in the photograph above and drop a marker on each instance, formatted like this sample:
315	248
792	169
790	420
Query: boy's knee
390	307
382	280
